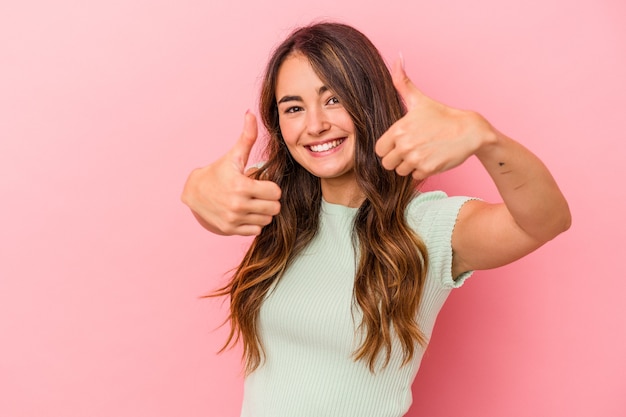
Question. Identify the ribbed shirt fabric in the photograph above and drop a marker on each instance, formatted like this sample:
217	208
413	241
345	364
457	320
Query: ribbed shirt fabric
308	323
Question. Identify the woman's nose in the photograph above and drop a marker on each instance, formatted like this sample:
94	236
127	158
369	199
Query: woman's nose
317	122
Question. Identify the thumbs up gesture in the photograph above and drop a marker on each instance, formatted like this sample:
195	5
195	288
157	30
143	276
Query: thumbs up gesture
224	199
431	137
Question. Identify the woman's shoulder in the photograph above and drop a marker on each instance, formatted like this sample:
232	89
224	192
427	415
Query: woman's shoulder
436	200
429	196
434	209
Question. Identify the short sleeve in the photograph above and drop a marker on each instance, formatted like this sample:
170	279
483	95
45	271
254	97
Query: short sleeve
433	215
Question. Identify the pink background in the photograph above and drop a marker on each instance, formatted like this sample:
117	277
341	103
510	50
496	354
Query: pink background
105	106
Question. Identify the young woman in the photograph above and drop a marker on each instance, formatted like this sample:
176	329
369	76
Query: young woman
337	296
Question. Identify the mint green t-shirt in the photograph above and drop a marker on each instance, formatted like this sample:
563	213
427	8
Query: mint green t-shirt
308	323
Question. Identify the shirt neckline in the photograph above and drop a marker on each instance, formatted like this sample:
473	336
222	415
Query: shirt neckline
338	209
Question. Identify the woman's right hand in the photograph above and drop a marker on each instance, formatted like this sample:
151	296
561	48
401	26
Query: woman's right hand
224	199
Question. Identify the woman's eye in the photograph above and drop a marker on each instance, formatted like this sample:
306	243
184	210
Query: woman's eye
293	109
333	100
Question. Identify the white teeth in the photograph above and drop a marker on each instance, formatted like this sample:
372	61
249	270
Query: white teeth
326	146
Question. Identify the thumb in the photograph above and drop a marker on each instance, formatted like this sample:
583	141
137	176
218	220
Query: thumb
407	90
241	151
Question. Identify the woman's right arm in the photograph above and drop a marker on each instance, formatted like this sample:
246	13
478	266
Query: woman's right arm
224	199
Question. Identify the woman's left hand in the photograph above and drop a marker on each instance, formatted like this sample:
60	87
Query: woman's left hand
431	137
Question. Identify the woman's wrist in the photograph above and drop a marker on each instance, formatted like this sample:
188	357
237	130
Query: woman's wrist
488	138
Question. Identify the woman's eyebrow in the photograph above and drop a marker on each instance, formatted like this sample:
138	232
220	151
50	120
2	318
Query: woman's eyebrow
285	99
289	98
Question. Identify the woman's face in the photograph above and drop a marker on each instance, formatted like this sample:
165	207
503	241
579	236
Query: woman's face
316	128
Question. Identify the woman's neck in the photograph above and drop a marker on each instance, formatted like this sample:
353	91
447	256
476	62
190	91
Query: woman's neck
342	191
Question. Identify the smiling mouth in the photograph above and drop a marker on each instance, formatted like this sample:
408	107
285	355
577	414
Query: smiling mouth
326	146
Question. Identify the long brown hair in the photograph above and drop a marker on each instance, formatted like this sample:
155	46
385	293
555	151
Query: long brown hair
392	263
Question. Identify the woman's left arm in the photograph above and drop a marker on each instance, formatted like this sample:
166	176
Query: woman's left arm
433	138
533	211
